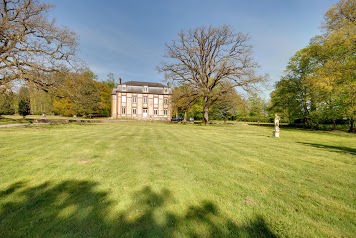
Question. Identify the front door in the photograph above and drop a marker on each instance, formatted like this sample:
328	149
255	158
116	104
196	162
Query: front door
144	113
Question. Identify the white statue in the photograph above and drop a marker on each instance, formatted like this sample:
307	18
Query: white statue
276	126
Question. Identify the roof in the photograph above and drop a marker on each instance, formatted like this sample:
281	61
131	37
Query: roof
149	84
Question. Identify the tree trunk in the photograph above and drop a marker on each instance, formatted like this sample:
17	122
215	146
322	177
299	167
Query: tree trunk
351	129
334	125
206	110
185	117
206	115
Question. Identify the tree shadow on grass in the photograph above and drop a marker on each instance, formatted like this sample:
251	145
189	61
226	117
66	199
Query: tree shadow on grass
339	149
79	209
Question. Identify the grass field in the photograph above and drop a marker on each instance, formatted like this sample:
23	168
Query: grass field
133	179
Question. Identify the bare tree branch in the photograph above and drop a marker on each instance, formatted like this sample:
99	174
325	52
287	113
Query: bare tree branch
30	43
207	58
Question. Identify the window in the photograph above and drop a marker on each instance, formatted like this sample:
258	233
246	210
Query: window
123	87
165	100
134	111
155	111
165	112
165	90
123	99
134	99
123	110
145	100
155	101
145	89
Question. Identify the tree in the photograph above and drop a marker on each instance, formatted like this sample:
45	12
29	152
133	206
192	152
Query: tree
321	78
80	94
284	99
205	58
31	45
339	16
183	99
294	94
257	106
227	106
41	101
336	76
76	95
6	101
104	104
111	79
24	101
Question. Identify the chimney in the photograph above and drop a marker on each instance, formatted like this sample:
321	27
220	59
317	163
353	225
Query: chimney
119	80
169	84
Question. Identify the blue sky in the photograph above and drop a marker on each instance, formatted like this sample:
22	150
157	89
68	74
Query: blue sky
128	38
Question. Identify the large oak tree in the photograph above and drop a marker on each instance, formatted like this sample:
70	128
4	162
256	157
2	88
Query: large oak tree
206	59
30	44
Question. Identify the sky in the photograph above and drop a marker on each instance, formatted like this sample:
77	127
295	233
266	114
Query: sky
127	38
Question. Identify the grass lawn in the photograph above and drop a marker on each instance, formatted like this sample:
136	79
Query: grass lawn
136	179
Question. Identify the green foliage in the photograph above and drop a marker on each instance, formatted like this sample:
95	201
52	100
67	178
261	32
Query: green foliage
284	100
24	101
254	119
257	106
227	106
184	99
64	107
82	95
196	111
320	80
6	102
336	76
105	90
111	80
293	97
41	101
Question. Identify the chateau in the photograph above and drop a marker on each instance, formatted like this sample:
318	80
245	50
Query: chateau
141	100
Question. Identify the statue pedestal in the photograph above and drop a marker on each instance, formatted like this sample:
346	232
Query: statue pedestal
275	133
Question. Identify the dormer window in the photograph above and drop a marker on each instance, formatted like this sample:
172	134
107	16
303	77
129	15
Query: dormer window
165	90
123	87
145	89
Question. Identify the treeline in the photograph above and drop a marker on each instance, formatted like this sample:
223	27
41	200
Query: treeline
319	85
69	94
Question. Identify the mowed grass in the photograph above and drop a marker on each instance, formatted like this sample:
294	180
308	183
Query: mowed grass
136	179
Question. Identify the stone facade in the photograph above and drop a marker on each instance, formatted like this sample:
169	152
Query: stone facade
141	100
